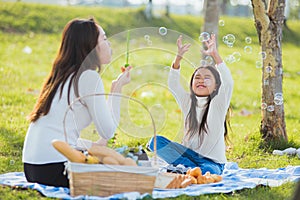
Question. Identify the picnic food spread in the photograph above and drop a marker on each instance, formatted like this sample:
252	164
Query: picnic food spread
193	176
95	155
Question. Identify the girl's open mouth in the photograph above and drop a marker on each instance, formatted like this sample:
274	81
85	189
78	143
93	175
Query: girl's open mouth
201	86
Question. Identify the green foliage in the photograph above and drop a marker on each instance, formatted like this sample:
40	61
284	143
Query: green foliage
21	76
25	18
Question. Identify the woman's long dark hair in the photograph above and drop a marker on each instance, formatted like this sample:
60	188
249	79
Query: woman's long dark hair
77	53
194	127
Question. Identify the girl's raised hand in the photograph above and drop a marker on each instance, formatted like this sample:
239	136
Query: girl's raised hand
211	46
182	49
123	79
212	50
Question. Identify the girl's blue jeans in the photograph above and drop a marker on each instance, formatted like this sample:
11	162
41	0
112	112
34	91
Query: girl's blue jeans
175	153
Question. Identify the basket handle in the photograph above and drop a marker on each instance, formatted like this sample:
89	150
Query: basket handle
118	95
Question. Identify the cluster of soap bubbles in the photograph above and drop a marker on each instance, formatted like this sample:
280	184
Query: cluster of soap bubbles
234	57
259	63
147	38
248	48
204	36
207	60
278	101
229	40
162	31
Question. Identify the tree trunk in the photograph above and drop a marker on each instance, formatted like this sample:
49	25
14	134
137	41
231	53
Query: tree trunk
269	19
148	10
223	7
211	17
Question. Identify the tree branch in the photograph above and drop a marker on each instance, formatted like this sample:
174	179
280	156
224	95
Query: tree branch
260	14
272	7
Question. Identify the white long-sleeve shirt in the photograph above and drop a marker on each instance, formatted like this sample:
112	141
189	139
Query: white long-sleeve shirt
213	143
104	113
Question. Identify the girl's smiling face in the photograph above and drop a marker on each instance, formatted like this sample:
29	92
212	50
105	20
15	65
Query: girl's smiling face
203	83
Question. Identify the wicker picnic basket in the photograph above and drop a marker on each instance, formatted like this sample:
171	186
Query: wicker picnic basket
105	180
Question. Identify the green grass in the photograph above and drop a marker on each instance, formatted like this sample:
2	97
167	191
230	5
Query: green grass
21	76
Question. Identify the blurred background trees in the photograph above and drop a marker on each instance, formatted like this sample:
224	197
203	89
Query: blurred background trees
242	8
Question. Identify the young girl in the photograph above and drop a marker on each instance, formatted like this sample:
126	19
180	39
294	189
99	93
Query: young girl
204	109
83	49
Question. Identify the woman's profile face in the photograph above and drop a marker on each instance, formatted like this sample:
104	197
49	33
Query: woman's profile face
203	83
103	47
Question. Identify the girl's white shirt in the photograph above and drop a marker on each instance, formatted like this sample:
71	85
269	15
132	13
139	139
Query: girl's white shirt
212	143
103	112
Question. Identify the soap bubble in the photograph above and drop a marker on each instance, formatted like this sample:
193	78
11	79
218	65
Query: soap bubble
11	162
264	106
278	99
204	36
259	64
225	39
147	37
230	38
149	42
203	62
237	56
209	60
268	69
270	108
263	55
221	22
230	59
278	94
163	30
248	49
248	40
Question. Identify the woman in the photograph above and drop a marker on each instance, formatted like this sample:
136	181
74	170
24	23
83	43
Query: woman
84	48
204	109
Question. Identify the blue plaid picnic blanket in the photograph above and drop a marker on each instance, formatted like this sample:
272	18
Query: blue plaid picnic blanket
234	178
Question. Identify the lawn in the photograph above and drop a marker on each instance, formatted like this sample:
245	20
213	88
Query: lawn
29	43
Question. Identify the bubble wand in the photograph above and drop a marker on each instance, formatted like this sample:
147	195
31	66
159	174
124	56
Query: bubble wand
127	52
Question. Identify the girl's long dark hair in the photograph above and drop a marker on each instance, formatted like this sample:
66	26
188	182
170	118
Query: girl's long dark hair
77	53
195	127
